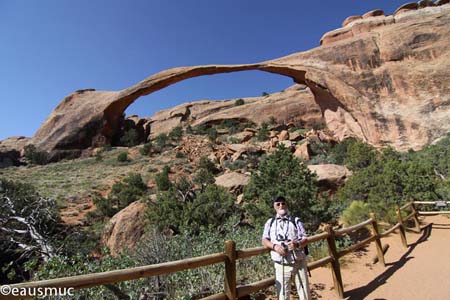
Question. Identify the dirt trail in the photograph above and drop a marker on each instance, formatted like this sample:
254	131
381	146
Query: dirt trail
420	272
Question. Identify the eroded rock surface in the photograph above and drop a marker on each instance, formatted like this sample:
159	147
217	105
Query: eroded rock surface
233	181
11	149
125	228
330	175
383	79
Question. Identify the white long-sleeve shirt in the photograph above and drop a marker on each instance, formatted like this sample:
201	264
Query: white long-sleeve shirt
284	230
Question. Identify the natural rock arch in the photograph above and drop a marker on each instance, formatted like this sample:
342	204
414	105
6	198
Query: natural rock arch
381	83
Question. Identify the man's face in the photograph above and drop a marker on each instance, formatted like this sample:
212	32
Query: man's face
280	208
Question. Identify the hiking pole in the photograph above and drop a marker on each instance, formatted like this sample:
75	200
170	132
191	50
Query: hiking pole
299	277
284	279
282	284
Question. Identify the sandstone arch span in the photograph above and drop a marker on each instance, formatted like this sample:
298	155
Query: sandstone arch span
387	83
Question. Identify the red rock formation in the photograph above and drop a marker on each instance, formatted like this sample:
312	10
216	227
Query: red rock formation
295	104
11	149
329	175
383	79
125	228
350	20
373	13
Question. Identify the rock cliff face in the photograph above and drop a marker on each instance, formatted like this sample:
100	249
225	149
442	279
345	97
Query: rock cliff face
125	228
384	79
10	151
295	104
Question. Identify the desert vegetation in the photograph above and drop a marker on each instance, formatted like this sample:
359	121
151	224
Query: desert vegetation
188	214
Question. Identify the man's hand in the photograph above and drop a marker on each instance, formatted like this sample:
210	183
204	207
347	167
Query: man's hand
303	241
292	245
280	250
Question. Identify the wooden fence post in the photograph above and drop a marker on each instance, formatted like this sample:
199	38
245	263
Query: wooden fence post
377	240
415	217
335	266
230	270
402	227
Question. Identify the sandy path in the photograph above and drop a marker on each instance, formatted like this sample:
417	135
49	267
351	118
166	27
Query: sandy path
420	272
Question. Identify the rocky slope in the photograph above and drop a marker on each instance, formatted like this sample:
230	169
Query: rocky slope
295	104
381	78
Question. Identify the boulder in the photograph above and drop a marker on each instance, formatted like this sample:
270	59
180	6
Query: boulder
283	136
240	199
233	181
295	136
324	137
330	175
273	133
253	130
302	151
237	150
164	126
125	228
274	142
244	148
244	136
11	150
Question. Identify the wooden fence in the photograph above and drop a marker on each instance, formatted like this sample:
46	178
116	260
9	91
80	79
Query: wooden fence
230	256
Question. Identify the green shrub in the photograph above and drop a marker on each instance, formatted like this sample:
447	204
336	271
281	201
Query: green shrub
359	155
131	189
390	179
180	154
188	284
162	179
106	147
207	164
147	149
282	174
161	141
122	157
357	212
98	156
232	125
239	102
201	129
272	120
176	133
203	177
36	156
233	140
189	129
130	138
212	134
238	164
63	266
263	132
211	207
103	206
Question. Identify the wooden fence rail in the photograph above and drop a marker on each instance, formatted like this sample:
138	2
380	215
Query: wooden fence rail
230	256
436	204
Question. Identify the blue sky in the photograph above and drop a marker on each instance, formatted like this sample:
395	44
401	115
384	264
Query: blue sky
50	48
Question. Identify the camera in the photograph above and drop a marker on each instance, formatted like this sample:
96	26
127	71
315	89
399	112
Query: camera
284	240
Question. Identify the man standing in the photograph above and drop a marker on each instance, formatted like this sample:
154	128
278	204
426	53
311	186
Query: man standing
286	236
